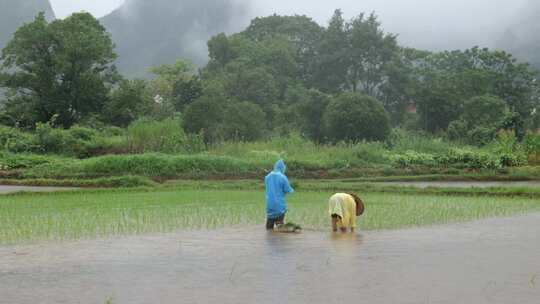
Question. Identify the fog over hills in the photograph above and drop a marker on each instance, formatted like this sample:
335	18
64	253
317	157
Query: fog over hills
149	33
14	13
521	38
423	24
154	32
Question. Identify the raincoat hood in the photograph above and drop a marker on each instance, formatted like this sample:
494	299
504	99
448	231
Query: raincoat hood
280	167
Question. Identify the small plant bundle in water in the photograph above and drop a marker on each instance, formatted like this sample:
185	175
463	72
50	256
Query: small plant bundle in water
289	228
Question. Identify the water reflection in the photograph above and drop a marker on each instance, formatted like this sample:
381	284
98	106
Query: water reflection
449	264
351	238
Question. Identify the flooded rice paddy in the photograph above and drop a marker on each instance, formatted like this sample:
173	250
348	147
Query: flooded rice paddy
488	261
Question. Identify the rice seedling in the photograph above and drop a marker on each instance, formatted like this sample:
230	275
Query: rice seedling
94	214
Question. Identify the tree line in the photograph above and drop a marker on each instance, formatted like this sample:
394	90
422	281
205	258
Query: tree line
346	81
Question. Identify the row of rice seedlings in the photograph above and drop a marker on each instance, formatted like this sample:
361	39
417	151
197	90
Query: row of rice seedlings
69	216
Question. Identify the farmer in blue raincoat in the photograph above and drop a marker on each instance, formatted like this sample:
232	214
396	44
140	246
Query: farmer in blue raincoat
277	187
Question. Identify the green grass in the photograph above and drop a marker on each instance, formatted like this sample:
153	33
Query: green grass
168	153
204	166
153	165
359	185
404	156
91	214
106	182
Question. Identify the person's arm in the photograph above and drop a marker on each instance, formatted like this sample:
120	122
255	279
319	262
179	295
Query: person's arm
352	210
334	223
287	186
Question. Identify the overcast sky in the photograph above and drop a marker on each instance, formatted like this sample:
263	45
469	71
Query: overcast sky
98	8
433	24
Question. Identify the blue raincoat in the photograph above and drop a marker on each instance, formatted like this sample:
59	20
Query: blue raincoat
277	187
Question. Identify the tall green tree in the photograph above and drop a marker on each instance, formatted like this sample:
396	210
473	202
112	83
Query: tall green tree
369	53
255	71
482	117
399	89
177	84
205	116
62	68
312	110
333	56
447	79
301	32
255	84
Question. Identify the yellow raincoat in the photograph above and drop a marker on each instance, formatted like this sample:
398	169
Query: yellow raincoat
344	205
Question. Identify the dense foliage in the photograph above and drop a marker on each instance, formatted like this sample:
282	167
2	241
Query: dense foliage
347	81
61	68
481	118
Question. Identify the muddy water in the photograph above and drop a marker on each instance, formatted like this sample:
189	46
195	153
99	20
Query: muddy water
468	184
15	189
491	261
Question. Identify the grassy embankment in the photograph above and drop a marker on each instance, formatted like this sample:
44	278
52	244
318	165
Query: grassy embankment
318	162
405	157
99	213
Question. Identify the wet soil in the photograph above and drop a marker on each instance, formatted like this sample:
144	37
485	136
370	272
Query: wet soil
489	261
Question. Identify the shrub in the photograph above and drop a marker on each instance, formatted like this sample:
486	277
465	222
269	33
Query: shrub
532	146
369	153
457	130
53	140
82	133
481	136
508	148
78	141
10	161
403	141
204	117
243	121
165	136
112	131
458	158
128	102
16	141
412	158
354	117
466	158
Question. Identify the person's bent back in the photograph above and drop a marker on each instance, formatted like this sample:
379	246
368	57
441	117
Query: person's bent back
344	208
277	187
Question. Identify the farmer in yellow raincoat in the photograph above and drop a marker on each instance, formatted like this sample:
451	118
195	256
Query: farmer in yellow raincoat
344	208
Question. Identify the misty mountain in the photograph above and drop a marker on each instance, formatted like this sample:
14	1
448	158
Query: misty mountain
150	33
14	13
521	38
